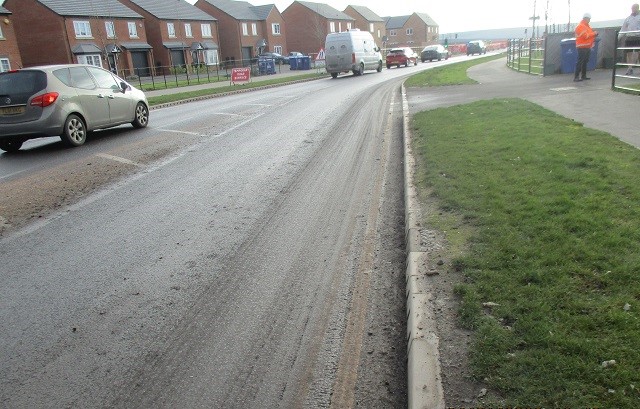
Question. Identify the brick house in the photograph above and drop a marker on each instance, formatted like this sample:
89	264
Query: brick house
246	30
179	32
417	30
104	33
309	23
367	20
9	52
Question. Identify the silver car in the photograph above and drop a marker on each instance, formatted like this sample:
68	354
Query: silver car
67	101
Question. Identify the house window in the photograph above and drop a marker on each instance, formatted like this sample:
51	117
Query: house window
211	57
409	31
171	30
110	29
206	30
348	26
277	49
379	34
254	29
4	64
371	29
275	28
82	29
90	59
392	33
245	29
133	29
1	35
332	27
187	30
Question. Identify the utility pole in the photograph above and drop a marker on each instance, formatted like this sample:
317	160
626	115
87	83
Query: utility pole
534	18
569	23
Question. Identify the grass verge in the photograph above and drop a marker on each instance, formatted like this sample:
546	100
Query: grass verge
163	99
551	272
452	74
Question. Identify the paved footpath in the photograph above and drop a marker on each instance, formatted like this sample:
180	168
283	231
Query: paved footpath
592	102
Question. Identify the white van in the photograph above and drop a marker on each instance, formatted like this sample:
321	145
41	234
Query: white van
352	50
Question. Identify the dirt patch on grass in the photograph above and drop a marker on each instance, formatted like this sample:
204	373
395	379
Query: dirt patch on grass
460	388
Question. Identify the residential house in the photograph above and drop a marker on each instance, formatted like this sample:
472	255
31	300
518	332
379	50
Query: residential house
417	30
104	33
246	30
179	32
9	52
309	23
367	20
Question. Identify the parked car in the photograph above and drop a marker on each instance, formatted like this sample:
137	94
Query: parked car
476	47
401	56
67	101
292	54
278	58
352	50
434	52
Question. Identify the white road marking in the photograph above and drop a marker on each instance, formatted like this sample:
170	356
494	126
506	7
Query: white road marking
118	159
177	131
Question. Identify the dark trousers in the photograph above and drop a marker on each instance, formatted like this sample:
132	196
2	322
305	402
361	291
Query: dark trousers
581	64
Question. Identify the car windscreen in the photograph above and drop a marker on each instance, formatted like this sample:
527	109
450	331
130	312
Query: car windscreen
17	87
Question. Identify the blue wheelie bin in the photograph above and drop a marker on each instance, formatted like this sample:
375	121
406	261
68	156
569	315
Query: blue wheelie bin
305	63
293	63
570	56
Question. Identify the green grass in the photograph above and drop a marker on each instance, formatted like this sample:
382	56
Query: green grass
163	99
452	74
552	220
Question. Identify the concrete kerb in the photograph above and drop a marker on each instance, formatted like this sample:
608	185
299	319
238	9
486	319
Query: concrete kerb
224	94
424	383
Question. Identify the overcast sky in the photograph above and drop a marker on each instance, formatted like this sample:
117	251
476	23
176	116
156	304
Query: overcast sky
457	16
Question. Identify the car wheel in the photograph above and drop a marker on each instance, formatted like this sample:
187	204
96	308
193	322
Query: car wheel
141	119
379	67
334	75
11	145
361	70
406	63
74	132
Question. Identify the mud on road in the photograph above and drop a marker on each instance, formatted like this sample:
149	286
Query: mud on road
47	192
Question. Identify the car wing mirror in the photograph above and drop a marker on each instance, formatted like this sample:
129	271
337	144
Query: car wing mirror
124	86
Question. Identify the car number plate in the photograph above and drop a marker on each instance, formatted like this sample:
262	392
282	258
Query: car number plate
11	110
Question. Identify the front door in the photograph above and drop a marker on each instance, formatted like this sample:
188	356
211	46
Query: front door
246	55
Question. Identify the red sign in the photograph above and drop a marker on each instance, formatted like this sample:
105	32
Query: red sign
240	75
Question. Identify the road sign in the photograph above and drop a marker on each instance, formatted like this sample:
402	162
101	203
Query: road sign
240	75
320	56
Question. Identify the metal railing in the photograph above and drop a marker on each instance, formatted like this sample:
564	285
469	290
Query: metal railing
626	70
526	55
162	77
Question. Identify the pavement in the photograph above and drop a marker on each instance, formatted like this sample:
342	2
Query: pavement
592	103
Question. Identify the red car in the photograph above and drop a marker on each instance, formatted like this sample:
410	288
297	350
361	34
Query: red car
401	56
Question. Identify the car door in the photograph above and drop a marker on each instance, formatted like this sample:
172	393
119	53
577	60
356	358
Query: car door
91	100
120	103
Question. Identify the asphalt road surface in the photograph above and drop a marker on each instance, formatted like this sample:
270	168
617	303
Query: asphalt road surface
241	252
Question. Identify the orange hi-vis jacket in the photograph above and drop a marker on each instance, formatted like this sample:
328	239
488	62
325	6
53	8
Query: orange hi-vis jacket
585	36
